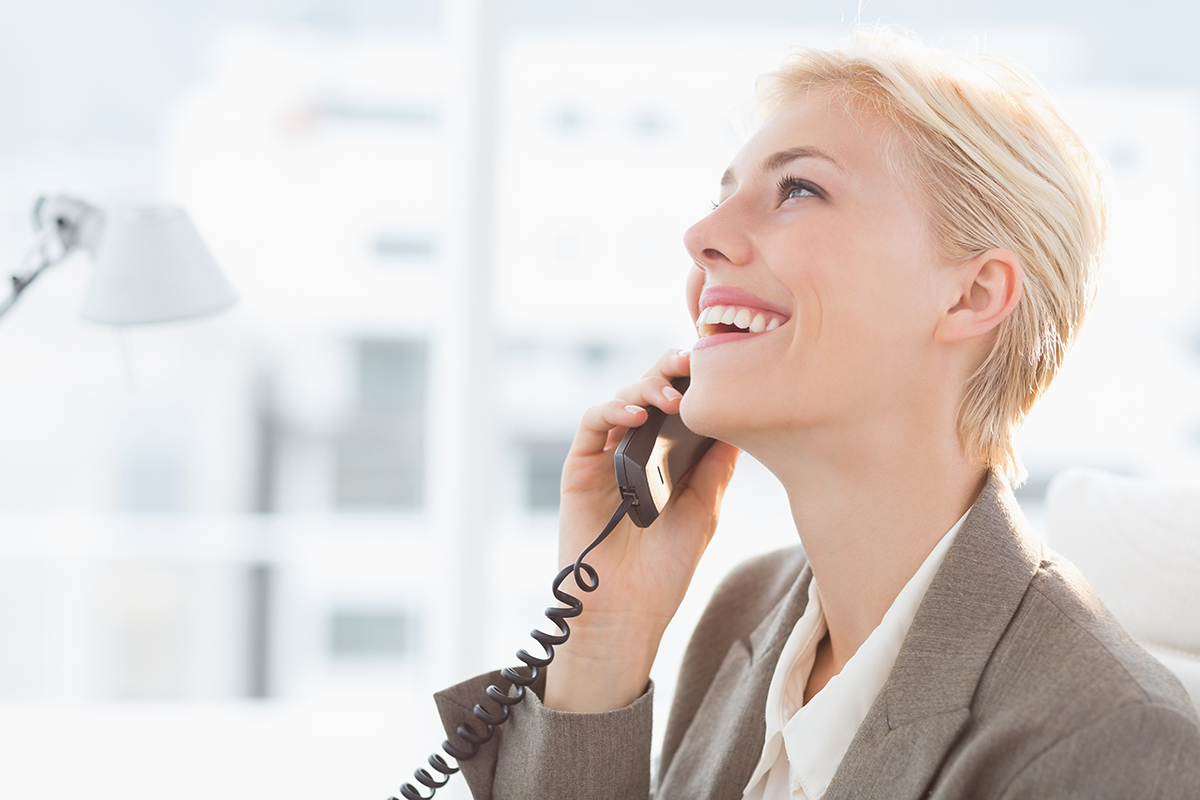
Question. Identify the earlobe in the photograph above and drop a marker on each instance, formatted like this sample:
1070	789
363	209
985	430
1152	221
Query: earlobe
985	290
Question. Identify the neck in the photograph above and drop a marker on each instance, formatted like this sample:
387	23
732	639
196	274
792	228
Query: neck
869	508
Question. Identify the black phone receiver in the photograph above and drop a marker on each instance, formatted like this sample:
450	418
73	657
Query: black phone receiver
654	456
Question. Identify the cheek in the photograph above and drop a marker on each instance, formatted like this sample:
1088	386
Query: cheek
880	319
882	286
695	283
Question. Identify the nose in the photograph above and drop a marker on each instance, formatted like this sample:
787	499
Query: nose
719	239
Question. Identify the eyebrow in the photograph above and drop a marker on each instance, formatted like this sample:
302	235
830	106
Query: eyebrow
777	160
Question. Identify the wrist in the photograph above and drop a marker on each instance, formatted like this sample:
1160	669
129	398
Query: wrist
584	686
595	673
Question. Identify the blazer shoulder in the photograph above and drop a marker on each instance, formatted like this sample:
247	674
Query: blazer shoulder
1060	597
1135	750
1065	692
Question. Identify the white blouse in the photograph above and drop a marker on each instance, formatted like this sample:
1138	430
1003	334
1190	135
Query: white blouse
806	743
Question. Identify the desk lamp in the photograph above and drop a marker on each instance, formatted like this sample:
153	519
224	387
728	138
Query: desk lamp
150	263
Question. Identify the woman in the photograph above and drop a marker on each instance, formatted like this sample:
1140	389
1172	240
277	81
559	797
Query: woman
899	260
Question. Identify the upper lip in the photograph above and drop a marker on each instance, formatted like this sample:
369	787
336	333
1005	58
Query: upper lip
729	296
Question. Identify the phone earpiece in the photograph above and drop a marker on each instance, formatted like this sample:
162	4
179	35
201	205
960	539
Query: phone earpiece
654	456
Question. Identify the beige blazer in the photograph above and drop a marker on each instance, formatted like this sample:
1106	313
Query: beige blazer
1014	682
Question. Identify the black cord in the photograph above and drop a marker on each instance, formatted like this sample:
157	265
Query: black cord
559	616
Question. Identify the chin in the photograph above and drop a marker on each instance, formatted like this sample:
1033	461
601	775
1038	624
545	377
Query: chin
742	411
706	410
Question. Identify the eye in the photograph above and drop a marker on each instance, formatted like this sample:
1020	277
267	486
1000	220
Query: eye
790	188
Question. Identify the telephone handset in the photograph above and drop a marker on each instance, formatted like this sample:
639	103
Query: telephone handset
654	456
649	461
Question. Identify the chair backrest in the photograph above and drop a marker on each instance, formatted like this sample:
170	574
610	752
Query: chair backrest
1137	541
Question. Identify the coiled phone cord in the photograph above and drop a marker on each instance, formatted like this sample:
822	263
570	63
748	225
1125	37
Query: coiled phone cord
548	641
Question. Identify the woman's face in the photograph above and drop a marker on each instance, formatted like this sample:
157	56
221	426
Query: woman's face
818	260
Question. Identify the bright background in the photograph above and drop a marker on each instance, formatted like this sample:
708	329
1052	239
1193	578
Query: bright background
238	554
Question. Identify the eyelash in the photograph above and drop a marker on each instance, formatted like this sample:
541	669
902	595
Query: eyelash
788	184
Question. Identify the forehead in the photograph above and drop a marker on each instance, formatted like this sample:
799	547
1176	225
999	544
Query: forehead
819	128
859	159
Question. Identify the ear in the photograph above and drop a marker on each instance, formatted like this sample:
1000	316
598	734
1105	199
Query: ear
982	293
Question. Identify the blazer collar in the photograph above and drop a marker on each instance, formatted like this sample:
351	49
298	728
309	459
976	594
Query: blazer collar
968	607
926	700
767	640
965	611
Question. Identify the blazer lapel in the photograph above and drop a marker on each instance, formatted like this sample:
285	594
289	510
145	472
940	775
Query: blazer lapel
722	745
926	700
767	640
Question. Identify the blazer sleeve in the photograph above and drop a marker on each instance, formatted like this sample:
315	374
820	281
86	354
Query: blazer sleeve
540	752
1137	750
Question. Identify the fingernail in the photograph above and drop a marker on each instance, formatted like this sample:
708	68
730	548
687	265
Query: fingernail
633	409
671	393
685	353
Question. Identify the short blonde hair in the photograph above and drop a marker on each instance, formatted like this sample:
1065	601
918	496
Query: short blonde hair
1000	168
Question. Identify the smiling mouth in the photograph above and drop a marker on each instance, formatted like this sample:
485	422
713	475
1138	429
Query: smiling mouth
736	319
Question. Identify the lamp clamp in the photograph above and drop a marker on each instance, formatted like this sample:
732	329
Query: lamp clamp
64	224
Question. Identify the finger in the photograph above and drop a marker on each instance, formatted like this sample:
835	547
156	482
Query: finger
599	420
672	364
654	390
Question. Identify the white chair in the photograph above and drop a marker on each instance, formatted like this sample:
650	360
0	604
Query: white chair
1137	541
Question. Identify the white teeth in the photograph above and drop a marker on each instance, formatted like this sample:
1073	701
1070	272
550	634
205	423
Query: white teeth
744	318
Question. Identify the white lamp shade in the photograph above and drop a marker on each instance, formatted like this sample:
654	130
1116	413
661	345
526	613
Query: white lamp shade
152	266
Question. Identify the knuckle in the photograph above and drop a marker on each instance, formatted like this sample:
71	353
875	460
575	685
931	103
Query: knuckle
595	416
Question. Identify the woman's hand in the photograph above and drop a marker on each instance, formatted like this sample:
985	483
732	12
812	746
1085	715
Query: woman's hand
643	573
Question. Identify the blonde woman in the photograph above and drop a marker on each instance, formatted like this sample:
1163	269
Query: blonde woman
900	259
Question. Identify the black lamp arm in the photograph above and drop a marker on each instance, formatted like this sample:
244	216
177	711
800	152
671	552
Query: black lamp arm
64	225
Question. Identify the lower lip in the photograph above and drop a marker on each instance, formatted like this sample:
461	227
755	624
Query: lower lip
723	338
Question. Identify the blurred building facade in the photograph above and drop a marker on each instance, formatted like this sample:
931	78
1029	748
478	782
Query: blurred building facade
250	507
275	462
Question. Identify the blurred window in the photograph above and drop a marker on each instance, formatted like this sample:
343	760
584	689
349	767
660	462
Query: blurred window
544	463
154	476
420	116
378	455
389	633
395	248
568	120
